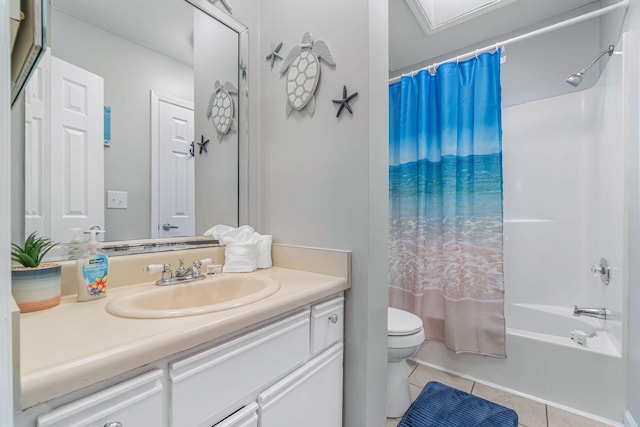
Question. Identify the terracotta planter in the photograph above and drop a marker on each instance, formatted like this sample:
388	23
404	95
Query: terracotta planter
36	288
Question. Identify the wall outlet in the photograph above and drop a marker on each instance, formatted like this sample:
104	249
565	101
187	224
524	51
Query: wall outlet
116	200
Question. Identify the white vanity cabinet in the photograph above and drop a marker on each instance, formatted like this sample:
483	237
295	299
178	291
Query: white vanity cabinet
246	417
310	397
327	324
206	385
132	403
281	373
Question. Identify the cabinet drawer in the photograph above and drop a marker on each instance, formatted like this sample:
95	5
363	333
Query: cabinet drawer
327	324
310	396
246	417
132	403
208	384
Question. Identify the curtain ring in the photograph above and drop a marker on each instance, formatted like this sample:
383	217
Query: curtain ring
476	53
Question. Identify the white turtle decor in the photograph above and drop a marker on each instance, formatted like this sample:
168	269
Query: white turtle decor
221	110
302	66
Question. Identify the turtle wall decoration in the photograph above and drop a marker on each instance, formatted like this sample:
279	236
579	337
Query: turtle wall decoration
221	110
302	66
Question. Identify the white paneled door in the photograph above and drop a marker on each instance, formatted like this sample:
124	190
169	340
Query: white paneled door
174	190
37	149
77	149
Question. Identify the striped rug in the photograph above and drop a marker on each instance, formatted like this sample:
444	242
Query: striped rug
439	405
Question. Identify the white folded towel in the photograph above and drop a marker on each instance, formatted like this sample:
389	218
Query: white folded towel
245	250
264	251
244	234
240	258
217	231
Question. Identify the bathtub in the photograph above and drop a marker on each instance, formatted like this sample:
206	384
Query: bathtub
554	324
543	362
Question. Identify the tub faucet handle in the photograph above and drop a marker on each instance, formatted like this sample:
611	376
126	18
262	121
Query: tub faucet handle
603	270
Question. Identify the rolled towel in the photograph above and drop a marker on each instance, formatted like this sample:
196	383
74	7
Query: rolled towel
218	230
243	234
240	258
264	251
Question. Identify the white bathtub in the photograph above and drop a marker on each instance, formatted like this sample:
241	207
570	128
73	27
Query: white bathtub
554	324
544	363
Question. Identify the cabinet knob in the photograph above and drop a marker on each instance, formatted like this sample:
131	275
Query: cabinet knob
112	424
333	318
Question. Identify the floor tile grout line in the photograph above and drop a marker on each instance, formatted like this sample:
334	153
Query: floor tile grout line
546	413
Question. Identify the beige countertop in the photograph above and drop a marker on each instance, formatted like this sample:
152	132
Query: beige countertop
74	345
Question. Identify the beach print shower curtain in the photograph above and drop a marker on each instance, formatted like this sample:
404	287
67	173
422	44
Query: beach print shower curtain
445	179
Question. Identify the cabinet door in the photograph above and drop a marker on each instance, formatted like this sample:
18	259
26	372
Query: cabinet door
310	396
210	384
246	417
327	324
132	403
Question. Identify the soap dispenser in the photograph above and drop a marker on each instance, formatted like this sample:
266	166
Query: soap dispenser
76	247
91	270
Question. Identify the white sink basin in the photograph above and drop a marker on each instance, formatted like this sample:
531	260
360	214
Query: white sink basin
187	299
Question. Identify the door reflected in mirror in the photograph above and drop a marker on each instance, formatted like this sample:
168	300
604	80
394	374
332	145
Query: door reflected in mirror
116	121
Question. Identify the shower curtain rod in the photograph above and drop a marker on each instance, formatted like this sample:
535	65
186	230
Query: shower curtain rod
496	46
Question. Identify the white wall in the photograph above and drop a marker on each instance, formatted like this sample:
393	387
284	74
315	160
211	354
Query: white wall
536	68
632	117
6	386
564	204
323	179
127	92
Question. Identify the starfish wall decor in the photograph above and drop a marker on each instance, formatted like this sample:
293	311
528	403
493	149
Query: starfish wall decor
344	102
274	54
243	69
203	145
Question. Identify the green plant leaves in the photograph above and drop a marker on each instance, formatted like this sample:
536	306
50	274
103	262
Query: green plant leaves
34	250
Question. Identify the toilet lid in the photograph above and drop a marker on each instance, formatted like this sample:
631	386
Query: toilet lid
402	322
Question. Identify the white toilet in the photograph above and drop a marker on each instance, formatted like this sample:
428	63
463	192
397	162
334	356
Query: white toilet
404	337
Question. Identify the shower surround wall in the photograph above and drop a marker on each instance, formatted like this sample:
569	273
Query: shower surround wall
564	209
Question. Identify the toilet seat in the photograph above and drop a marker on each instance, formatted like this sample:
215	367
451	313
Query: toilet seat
401	323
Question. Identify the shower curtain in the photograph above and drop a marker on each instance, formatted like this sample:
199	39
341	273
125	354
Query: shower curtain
445	179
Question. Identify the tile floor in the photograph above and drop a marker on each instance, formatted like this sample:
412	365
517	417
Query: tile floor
530	412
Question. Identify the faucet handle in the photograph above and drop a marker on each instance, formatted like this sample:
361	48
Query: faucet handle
153	268
603	270
203	261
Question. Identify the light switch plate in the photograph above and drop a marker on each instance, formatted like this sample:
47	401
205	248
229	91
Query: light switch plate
116	200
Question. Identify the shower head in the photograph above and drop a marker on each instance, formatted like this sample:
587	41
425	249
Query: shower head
576	78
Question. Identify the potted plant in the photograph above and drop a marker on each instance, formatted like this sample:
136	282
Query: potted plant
34	285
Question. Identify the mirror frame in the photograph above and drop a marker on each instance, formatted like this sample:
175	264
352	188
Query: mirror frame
149	245
243	101
29	46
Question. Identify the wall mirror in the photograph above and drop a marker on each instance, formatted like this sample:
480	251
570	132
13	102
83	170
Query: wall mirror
145	72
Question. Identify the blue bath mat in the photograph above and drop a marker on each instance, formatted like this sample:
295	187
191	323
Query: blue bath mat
439	405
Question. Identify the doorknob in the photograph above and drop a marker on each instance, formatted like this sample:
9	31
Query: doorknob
167	226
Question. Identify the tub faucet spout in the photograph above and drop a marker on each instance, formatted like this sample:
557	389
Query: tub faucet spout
597	312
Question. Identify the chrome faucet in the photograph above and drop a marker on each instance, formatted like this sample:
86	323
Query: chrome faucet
181	274
597	312
191	272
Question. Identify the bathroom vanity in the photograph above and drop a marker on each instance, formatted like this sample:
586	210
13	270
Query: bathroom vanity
275	362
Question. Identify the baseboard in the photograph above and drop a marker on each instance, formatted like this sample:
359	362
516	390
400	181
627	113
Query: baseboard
628	420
